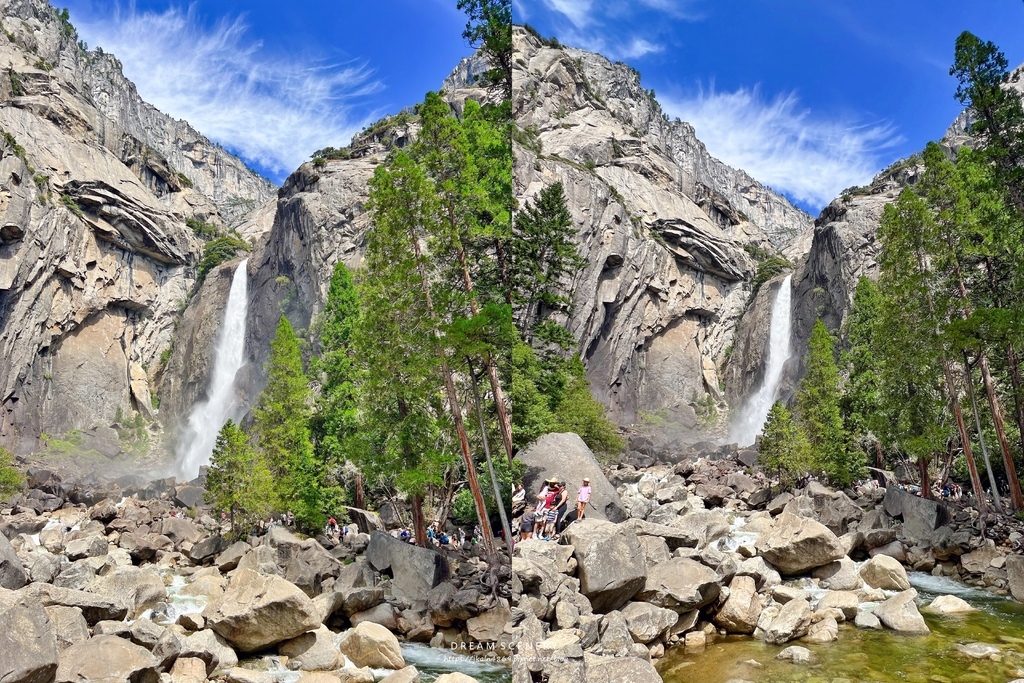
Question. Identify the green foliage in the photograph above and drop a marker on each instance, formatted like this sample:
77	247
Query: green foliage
757	252
42	181
67	29
547	42
11	479
18	150
783	448
543	260
336	412
489	27
319	162
43	65
184	180
17	84
578	411
818	408
238	480
201	228
331	154
528	137
69	202
770	268
861	398
281	430
165	355
219	250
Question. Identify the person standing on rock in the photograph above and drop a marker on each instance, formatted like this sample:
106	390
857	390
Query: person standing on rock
555	504
582	498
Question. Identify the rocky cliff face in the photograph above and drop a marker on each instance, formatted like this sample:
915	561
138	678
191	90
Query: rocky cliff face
95	259
662	226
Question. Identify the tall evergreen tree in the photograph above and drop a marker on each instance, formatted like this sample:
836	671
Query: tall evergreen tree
238	480
490	28
818	407
783	447
281	427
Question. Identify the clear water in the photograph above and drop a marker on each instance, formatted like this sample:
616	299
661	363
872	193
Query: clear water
869	656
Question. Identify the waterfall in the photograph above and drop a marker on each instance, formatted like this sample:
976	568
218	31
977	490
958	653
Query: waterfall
221	404
750	420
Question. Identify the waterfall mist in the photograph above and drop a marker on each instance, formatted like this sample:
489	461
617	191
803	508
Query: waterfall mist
750	419
222	401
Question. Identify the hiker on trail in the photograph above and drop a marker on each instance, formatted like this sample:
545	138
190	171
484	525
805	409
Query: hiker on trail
527	523
582	498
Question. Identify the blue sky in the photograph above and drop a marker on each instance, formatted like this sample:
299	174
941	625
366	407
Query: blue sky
274	81
808	96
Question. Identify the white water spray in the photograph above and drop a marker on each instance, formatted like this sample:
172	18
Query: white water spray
221	404
750	420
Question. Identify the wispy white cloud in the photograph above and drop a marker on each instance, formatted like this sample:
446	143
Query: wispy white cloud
273	110
605	26
782	144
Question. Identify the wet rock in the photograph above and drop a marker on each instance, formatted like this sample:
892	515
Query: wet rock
796	654
823	631
884	572
949	604
979	650
900	613
792	622
846	602
840	575
867	620
742	609
407	675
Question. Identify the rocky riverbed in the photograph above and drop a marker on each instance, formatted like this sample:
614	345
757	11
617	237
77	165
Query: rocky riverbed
131	580
710	569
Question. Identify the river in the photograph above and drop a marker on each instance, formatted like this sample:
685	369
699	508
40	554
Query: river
872	656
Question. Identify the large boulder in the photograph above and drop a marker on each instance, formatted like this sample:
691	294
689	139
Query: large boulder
884	572
797	544
257	611
12	571
372	645
1015	576
900	613
567	457
138	588
366	520
646	622
313	651
793	621
28	643
611	563
681	584
414	570
946	605
920	516
94	607
742	609
107	659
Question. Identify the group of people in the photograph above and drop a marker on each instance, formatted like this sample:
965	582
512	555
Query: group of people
549	515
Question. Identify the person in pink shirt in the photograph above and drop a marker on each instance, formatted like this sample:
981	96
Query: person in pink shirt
582	498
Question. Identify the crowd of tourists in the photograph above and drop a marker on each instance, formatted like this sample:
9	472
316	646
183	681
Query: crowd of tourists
546	514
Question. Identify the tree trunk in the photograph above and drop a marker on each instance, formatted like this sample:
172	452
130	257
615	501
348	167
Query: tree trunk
981	436
1018	398
965	440
359	491
880	464
455	408
1016	499
418	523
505	527
926	486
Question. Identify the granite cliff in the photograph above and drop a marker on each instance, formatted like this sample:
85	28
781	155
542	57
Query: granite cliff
669	233
96	260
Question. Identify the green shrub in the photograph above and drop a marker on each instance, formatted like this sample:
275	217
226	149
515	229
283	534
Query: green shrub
43	65
219	250
184	180
69	202
10	477
201	228
319	162
17	85
771	267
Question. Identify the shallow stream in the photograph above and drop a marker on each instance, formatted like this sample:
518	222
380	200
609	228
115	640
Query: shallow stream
870	656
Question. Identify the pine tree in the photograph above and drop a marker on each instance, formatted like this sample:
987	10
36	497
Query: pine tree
334	419
281	427
783	448
544	259
238	480
490	28
818	405
860	403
